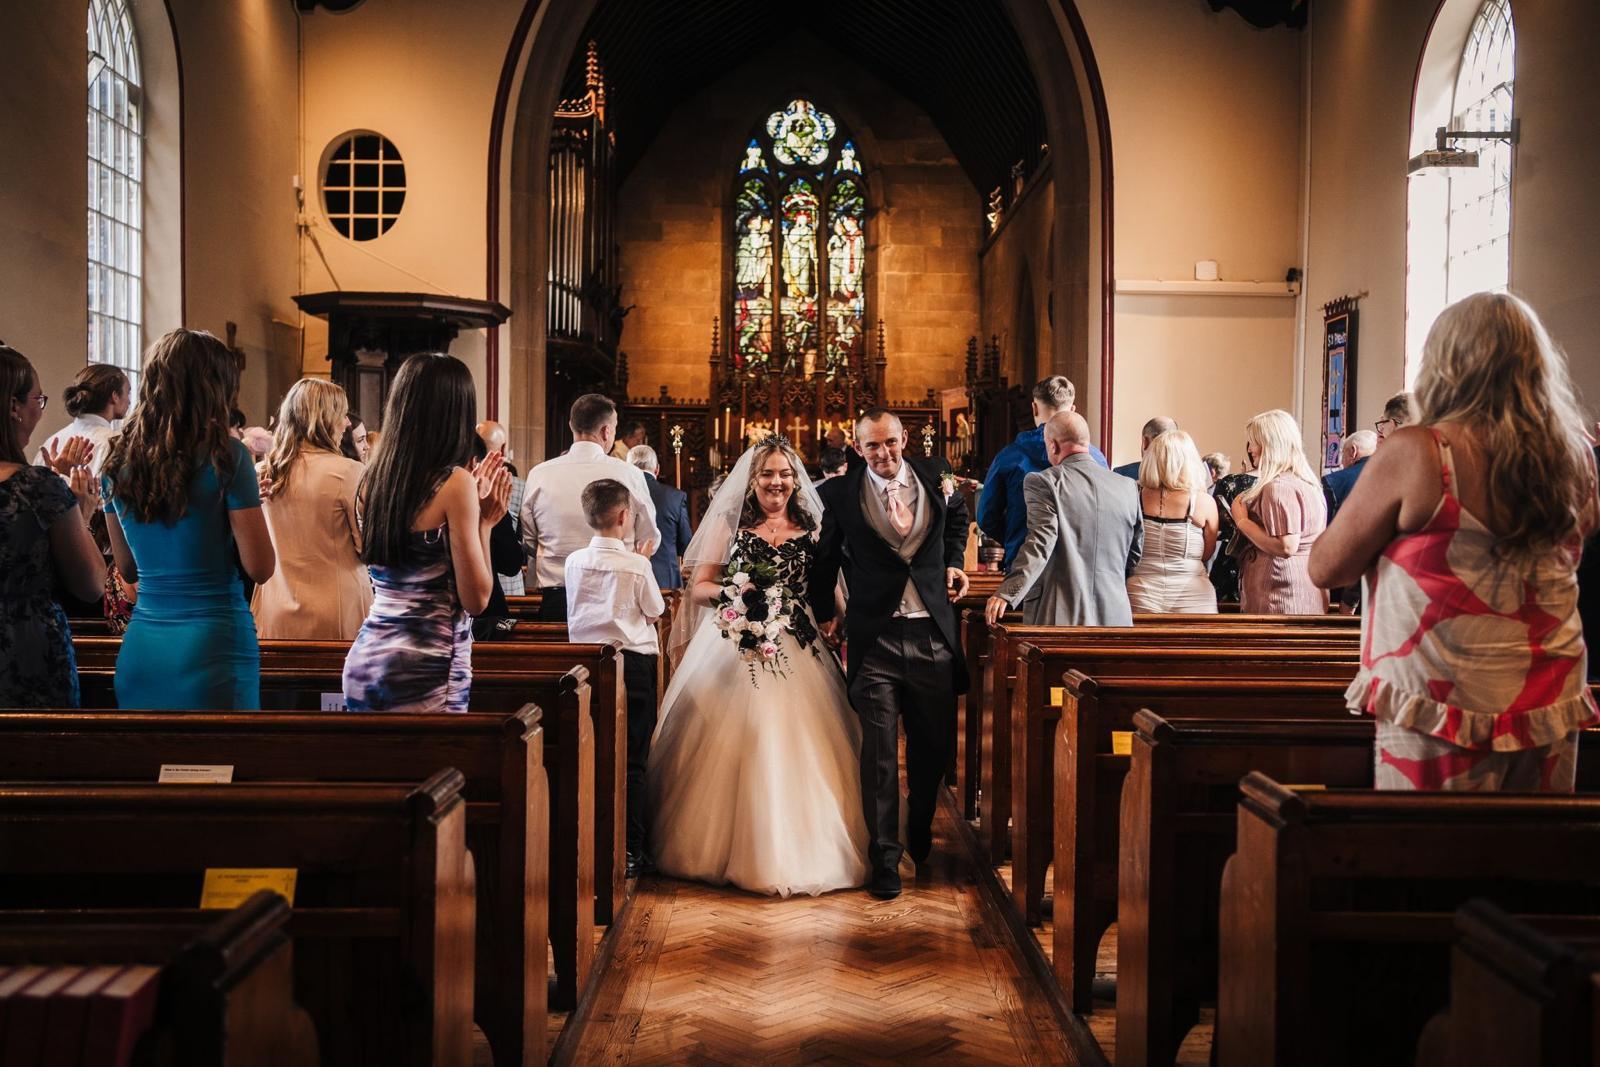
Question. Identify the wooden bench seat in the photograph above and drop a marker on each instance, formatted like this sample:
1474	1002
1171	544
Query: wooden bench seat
383	911
1523	991
1336	909
224	993
501	759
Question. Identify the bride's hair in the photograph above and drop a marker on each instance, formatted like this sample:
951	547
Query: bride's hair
752	514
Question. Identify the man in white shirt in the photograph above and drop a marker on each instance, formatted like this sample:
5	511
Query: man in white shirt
553	522
612	597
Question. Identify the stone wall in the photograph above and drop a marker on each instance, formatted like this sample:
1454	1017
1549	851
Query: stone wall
1015	285
923	232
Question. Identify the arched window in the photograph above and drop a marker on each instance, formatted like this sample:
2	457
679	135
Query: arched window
116	151
1459	218
799	240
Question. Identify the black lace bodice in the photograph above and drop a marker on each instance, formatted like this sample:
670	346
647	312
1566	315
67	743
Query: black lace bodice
792	562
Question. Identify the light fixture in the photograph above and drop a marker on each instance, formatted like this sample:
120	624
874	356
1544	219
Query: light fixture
1445	154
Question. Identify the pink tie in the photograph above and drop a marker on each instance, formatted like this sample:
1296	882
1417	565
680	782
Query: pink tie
899	514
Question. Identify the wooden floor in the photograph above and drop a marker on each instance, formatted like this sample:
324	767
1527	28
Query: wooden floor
717	976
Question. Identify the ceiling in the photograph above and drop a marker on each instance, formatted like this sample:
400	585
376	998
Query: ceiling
959	60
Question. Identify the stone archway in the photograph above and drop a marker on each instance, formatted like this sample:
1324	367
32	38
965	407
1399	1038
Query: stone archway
1080	277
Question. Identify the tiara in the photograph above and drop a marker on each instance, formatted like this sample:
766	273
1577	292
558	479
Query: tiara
775	439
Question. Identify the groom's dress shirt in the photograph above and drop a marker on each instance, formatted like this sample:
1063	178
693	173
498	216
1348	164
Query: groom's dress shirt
553	523
910	490
612	596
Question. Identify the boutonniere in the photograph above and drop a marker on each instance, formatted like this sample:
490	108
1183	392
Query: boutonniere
947	484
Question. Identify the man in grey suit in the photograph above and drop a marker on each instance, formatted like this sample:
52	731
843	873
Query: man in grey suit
1085	533
672	519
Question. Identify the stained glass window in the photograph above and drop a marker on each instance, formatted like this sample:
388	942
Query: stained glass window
1479	257
116	203
799	246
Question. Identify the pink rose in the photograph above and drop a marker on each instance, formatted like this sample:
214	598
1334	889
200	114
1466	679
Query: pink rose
769	650
729	614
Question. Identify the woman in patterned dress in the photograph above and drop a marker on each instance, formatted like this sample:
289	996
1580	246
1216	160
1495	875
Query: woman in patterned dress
1465	530
43	533
1281	516
426	510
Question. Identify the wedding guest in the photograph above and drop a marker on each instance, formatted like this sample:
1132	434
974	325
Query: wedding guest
184	513
672	518
837	439
1180	530
97	397
495	439
1397	412
1353	454
613	597
833	463
1002	512
1467	529
1217	466
44	540
1231	543
506	558
1281	516
553	523
629	435
1084	538
320	590
353	444
1152	429
426	517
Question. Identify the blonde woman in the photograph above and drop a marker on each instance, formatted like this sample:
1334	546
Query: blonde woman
1280	516
1466	528
1180	530
320	590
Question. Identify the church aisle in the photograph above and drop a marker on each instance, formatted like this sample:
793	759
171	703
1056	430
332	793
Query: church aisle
717	976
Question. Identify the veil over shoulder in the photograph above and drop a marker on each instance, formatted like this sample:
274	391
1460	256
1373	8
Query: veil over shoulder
712	543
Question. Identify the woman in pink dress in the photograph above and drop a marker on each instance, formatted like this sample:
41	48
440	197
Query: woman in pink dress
1466	529
1280	516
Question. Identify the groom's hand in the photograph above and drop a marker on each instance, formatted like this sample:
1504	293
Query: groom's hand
829	629
994	608
956	583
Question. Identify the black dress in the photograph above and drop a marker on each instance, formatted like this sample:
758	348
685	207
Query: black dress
1225	571
37	667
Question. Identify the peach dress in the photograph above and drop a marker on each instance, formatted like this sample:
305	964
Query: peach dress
320	589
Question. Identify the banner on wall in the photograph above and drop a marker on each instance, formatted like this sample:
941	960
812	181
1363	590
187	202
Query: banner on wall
1339	324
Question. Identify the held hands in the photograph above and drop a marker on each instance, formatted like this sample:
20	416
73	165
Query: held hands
494	488
956	583
995	607
86	487
830	632
73	452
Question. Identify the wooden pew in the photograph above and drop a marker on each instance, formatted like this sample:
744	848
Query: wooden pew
1336	909
1057	646
1525	992
294	676
1034	719
508	815
1177	830
1082	810
543	648
383	913
225	993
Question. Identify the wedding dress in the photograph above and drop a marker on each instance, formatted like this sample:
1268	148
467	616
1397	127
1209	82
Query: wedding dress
754	777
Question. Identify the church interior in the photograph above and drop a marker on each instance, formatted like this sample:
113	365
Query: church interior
1157	844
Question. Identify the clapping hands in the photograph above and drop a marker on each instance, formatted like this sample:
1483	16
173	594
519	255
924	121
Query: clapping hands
71	453
86	487
494	487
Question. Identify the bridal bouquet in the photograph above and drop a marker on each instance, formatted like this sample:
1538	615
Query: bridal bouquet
752	610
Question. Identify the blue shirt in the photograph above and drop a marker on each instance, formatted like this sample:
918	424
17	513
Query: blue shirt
1337	485
1002	509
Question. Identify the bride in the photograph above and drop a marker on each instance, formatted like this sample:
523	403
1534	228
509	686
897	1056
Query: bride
754	774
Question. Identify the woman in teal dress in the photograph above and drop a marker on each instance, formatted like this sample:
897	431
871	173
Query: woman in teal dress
184	514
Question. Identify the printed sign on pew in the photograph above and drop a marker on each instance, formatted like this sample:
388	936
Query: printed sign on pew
228	887
195	774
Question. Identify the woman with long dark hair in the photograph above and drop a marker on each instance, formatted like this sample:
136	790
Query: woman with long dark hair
43	535
1465	530
426	510
184	515
320	590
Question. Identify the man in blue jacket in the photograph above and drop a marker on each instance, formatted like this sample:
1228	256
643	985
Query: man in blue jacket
1002	511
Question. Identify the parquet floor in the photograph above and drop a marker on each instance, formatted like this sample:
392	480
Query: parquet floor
708	975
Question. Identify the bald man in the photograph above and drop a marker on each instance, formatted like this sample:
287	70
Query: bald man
1085	534
1152	430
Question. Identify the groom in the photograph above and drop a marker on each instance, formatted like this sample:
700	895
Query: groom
901	544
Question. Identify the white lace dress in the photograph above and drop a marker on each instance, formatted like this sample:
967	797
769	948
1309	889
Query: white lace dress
757	782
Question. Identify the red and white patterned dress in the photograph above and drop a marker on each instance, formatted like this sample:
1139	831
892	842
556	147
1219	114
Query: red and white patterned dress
1475	668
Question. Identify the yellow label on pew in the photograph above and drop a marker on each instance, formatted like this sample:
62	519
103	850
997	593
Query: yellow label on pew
1057	696
228	887
1305	787
1122	742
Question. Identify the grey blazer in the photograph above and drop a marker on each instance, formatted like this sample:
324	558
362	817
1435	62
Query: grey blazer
1085	535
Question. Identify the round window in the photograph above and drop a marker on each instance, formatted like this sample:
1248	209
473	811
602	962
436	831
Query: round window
363	185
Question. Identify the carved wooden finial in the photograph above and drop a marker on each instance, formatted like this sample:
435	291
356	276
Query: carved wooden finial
883	359
716	339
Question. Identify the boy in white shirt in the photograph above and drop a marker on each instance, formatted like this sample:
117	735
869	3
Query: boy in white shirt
612	596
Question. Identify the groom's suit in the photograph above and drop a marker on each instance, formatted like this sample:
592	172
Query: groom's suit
902	668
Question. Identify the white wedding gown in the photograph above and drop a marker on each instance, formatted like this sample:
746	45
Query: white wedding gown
757	783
